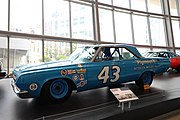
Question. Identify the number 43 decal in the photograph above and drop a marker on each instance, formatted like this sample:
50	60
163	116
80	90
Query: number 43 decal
104	74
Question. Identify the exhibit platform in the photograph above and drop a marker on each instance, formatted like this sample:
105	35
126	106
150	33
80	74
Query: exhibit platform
163	97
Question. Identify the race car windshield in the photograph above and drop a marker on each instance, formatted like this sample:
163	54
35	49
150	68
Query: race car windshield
83	54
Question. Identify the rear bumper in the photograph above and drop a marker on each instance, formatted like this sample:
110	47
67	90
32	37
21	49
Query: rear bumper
19	93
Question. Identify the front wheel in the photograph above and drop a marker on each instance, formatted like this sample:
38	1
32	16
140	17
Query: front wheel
57	90
145	79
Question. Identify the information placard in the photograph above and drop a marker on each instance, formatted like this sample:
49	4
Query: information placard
124	94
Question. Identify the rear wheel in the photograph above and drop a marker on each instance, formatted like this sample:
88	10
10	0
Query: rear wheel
57	90
145	79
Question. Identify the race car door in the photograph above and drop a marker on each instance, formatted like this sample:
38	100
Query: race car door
131	71
105	70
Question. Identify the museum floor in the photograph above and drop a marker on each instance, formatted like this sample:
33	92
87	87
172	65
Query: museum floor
163	97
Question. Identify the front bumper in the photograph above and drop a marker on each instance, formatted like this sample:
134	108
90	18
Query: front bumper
19	93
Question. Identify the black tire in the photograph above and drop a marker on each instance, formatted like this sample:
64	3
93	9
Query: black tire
145	79
178	69
57	90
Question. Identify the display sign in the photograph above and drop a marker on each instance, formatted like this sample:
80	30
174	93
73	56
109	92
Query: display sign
124	94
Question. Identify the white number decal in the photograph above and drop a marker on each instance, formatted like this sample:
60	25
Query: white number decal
104	74
116	74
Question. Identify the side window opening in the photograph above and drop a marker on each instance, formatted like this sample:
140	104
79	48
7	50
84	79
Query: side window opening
108	53
126	54
114	54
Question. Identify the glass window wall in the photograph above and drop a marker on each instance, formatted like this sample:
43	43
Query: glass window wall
159	49
141	33
26	16
82	22
157	32
173	7
176	32
123	28
24	51
106	25
34	51
143	51
3	52
121	3
178	51
77	45
179	8
18	51
105	1
138	5
56	51
4	15
56	18
154	6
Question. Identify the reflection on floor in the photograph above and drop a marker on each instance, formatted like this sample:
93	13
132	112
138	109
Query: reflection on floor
93	104
174	115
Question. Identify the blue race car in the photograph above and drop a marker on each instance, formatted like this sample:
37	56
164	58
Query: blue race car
87	68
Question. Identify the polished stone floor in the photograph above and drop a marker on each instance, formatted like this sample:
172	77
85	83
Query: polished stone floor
96	102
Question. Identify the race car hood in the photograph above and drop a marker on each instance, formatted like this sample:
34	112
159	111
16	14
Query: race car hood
45	65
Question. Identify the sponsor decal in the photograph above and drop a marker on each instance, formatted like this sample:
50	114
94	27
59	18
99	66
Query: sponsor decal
144	67
71	71
142	62
81	71
81	77
33	86
82	84
75	77
63	72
